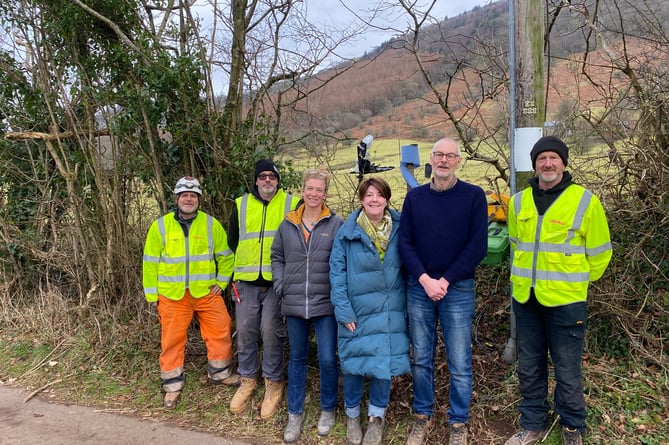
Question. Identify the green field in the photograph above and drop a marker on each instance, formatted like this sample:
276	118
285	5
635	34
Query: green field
341	162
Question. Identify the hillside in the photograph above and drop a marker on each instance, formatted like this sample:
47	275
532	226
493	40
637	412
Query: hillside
385	94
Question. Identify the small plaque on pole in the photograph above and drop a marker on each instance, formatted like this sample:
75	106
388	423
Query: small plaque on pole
524	140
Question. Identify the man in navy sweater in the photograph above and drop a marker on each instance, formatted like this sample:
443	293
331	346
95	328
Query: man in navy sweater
443	237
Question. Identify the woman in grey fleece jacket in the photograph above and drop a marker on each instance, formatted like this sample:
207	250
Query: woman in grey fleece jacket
301	274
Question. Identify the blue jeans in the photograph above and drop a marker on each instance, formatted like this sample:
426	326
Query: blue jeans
379	395
298	338
455	313
560	331
259	314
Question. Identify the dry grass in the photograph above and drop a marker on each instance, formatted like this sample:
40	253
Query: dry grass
118	372
106	355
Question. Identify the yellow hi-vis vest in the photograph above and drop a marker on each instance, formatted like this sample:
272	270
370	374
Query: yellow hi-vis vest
258	224
561	252
173	263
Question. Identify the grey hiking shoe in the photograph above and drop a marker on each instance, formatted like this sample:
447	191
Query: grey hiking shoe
571	436
353	431
326	422
525	437
294	428
421	426
458	434
374	432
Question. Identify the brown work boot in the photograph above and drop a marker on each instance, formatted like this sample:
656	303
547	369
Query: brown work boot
421	426
240	401
272	399
170	400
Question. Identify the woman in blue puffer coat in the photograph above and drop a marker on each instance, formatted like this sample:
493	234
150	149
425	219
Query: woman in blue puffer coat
369	298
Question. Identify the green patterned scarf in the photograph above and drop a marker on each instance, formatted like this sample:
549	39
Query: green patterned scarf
380	234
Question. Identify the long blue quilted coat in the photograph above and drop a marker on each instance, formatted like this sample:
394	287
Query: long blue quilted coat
373	294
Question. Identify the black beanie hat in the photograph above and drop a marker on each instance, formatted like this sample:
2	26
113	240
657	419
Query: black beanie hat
265	165
549	143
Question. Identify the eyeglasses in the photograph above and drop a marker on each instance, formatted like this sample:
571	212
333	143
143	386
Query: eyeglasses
264	176
449	156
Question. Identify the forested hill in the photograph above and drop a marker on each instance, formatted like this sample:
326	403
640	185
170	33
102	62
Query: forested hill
386	94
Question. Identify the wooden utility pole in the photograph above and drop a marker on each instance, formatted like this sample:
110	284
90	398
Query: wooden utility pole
530	99
529	31
527	18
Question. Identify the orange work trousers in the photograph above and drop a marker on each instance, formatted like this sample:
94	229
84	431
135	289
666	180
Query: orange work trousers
175	318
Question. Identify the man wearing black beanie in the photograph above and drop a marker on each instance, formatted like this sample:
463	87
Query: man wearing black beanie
265	166
253	222
550	143
561	242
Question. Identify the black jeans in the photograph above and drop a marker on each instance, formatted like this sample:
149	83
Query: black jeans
559	331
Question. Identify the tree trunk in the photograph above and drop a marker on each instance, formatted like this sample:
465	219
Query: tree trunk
232	111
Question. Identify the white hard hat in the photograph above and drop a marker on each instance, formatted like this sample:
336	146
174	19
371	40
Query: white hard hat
188	184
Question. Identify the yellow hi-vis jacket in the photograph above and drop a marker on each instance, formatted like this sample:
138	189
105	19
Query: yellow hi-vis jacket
258	223
173	263
560	252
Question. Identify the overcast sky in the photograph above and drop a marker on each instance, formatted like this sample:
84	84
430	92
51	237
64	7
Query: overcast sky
333	13
342	16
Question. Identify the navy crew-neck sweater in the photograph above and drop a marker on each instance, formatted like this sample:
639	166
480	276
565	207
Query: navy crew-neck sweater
444	234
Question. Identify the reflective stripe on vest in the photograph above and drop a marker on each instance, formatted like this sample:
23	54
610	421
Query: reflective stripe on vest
195	270
187	258
556	268
258	224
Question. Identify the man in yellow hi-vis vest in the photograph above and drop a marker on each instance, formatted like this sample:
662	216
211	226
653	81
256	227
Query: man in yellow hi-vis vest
187	264
253	224
561	243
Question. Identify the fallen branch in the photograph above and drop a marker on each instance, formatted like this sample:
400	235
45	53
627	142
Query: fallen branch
43	360
40	389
